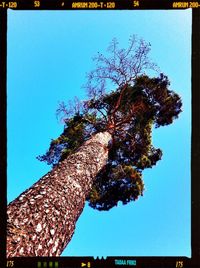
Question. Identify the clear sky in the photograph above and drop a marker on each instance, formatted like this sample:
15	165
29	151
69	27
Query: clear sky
49	53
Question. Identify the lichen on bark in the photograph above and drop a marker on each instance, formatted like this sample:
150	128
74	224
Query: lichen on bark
41	221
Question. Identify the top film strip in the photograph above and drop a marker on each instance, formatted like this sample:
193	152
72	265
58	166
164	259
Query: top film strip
99	5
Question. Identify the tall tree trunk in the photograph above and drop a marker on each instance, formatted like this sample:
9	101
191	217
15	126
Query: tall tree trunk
41	221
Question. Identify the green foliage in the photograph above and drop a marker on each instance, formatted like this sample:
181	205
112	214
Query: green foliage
113	184
129	114
67	143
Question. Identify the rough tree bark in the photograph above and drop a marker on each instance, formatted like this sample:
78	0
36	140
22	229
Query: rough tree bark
41	221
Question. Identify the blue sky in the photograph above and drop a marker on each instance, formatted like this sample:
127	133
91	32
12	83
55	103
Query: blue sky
49	53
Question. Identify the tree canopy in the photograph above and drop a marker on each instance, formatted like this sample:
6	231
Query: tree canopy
129	113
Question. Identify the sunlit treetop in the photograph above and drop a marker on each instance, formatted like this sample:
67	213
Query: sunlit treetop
128	113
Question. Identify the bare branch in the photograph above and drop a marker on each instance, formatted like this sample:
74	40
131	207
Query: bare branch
65	111
120	66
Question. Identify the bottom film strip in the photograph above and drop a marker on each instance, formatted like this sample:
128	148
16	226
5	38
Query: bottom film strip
109	262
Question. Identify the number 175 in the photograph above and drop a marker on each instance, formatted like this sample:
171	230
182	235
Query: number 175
179	264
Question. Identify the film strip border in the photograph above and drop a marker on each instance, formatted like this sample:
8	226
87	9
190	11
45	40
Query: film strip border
109	262
98	5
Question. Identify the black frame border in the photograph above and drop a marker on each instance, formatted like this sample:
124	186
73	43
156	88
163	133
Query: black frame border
151	262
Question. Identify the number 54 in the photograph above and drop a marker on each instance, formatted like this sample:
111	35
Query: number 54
136	3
